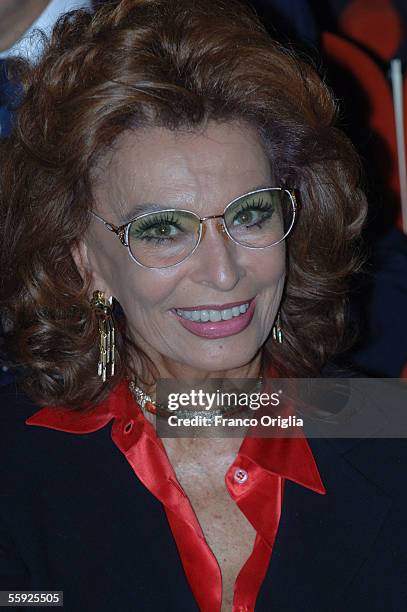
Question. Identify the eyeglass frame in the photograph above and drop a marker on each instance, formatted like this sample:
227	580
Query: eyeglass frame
122	231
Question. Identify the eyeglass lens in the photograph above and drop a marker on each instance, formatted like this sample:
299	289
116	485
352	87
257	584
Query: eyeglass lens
255	220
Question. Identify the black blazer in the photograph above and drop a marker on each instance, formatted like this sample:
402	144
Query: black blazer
74	517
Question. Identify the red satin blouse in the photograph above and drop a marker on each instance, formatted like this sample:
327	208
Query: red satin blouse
255	481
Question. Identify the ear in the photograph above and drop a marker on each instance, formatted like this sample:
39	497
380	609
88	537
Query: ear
80	256
82	259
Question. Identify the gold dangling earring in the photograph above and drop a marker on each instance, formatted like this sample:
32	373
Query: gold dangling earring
277	330
102	307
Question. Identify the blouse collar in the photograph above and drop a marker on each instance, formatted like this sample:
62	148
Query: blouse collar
288	457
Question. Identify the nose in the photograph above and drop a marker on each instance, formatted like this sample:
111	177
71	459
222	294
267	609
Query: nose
216	262
219	226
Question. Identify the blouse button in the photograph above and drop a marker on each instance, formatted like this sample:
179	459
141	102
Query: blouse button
240	476
128	427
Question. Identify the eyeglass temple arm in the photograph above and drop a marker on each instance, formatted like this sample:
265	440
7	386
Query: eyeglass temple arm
110	226
119	230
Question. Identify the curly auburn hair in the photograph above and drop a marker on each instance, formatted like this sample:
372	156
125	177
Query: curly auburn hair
175	64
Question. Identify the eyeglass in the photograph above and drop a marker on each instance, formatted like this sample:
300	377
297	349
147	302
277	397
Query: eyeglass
256	220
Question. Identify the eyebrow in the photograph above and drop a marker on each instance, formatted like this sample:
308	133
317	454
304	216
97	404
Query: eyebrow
140	209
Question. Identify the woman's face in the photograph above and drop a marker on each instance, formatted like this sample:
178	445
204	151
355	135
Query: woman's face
200	172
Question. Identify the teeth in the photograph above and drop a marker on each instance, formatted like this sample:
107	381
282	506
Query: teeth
226	314
215	315
202	316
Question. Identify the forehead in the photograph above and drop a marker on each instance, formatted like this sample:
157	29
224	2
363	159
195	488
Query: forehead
199	170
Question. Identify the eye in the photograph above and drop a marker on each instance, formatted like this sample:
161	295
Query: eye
252	213
157	227
160	230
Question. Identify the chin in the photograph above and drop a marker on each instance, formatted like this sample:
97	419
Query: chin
224	359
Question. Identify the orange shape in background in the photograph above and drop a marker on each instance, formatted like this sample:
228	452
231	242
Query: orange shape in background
376	87
374	24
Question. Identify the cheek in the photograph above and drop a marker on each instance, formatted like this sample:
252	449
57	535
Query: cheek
269	266
144	292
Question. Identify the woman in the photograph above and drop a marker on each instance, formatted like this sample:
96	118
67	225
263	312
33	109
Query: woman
151	229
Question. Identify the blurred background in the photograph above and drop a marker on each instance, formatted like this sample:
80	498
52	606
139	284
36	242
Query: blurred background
352	44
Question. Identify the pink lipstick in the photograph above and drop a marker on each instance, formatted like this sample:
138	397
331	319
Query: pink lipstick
218	329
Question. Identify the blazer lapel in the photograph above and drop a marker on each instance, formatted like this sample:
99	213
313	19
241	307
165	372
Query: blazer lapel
323	540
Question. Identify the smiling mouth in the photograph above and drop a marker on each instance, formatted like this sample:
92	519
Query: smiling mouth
213	313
